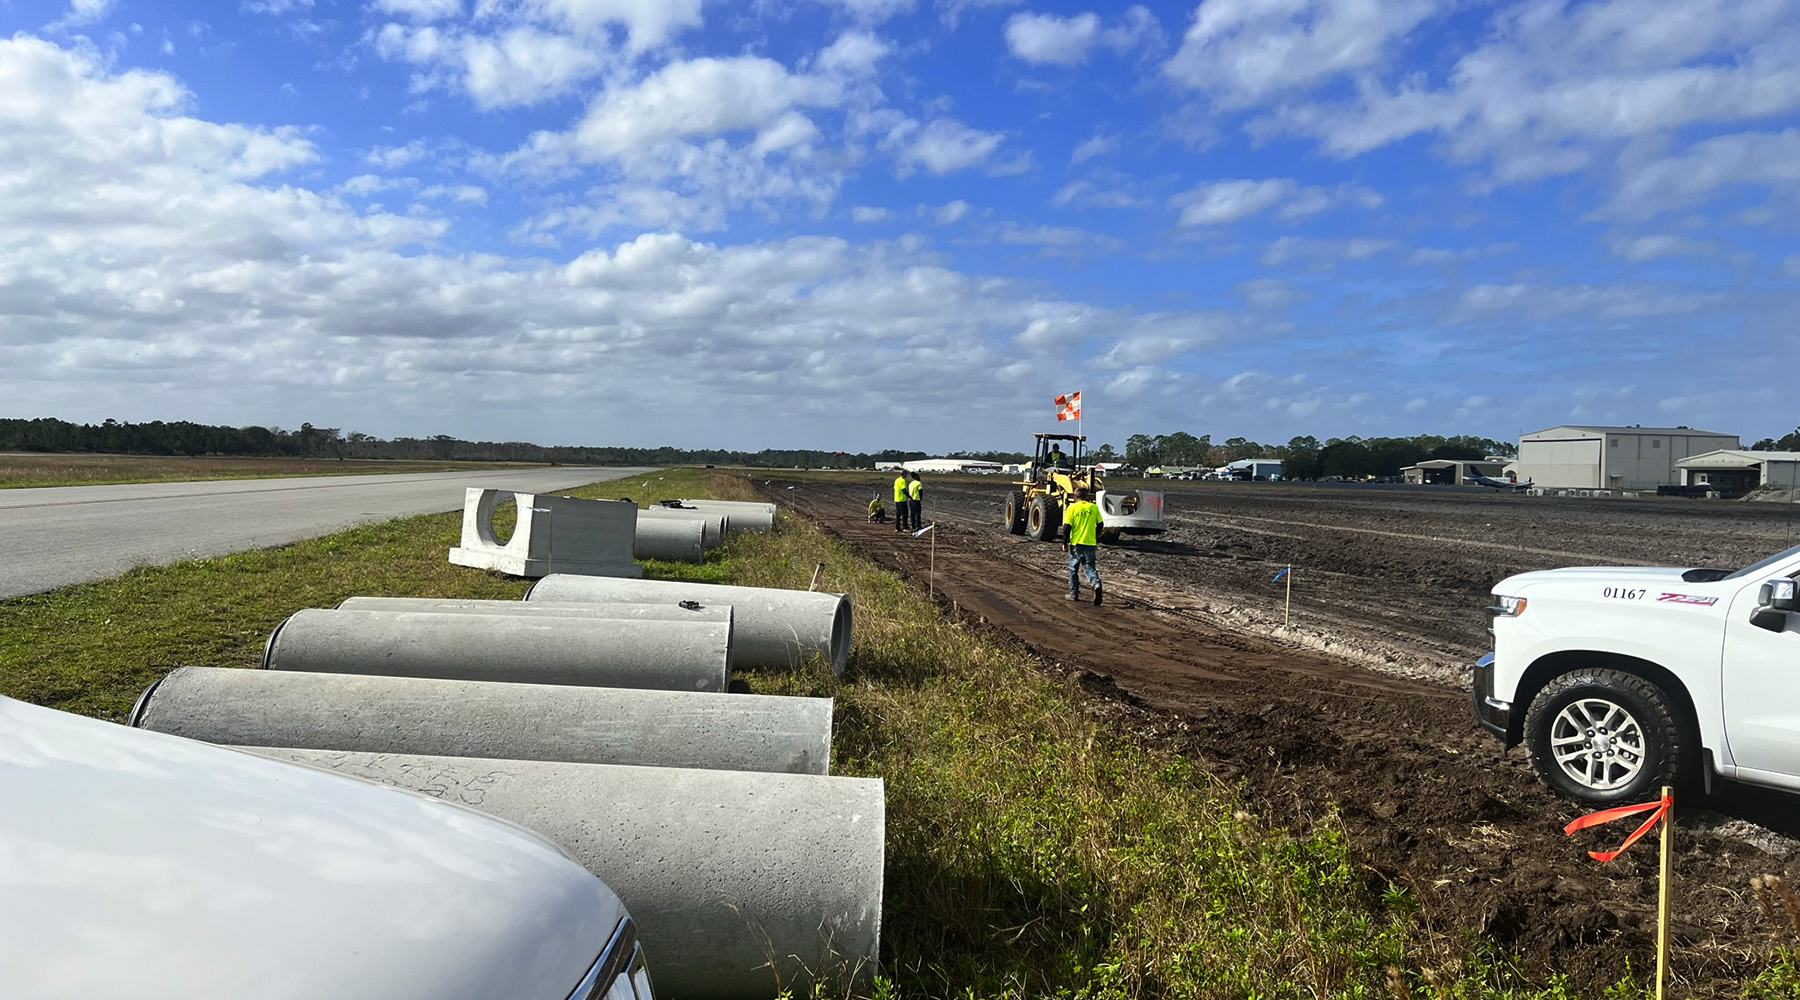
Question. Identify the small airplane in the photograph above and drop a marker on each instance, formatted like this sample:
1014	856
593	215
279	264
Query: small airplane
1499	484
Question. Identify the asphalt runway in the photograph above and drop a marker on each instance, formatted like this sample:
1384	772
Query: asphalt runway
62	535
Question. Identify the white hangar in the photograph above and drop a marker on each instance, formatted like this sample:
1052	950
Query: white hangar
1614	458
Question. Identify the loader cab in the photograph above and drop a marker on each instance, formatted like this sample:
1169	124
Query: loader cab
1072	449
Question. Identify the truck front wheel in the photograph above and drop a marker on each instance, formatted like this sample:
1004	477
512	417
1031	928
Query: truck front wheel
1607	738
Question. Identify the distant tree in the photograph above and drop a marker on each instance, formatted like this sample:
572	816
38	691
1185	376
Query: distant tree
1105	453
1787	442
1140	451
1301	459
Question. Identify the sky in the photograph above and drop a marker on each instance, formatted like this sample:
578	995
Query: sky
867	224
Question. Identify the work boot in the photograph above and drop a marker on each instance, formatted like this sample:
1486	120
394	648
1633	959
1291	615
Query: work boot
1097	596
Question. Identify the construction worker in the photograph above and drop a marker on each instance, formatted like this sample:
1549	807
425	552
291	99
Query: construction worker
877	512
901	506
1056	458
1082	519
913	491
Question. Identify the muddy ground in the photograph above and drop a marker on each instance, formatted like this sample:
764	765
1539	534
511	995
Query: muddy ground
1360	703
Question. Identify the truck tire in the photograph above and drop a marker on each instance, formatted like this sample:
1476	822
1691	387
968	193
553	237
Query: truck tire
1044	520
1015	512
1606	737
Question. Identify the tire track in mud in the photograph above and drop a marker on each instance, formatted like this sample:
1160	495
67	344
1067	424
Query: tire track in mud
1428	800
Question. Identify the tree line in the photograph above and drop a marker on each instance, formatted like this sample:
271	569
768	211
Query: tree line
1786	442
1305	457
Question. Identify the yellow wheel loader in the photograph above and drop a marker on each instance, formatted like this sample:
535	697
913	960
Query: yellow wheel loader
1035	507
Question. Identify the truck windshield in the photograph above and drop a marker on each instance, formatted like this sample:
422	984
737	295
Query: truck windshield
1757	567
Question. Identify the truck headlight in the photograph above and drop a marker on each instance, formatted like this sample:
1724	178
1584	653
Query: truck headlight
1508	607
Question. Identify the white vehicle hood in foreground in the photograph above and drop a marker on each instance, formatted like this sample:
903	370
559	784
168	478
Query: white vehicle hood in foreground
134	864
1605	575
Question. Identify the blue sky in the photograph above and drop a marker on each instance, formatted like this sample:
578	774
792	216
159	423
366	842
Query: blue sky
861	224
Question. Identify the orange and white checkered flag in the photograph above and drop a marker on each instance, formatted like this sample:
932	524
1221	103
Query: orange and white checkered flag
1068	407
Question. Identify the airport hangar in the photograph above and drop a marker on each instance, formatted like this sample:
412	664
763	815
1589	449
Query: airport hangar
1732	469
1612	458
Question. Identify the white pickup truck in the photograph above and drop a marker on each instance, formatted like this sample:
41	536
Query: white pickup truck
1622	679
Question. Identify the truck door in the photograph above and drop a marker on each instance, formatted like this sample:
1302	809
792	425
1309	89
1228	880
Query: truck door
1762	692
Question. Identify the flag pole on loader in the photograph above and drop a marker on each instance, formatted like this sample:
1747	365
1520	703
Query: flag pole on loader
1663	811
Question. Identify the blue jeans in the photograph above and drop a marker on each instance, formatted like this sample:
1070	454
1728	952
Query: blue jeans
1082	557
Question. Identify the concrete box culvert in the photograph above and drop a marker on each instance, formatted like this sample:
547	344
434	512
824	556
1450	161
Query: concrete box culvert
716	524
526	649
724	871
670	539
588	725
773	629
670	611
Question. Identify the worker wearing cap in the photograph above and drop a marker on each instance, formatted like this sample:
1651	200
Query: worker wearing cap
1082	519
914	490
877	512
901	505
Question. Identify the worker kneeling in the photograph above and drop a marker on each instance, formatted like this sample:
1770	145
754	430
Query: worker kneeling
1082	519
877	512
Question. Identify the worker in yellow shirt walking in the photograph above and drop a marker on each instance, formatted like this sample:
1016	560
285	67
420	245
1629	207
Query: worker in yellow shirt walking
901	505
1082	519
914	490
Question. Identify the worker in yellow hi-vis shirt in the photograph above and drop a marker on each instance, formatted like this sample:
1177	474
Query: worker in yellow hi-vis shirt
901	507
1082	519
914	490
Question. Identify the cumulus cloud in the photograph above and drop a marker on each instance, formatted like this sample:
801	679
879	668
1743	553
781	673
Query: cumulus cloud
1215	203
173	263
941	146
1666	183
1095	145
1244	52
1048	39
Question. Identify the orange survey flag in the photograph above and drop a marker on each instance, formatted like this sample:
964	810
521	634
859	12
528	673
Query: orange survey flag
1661	806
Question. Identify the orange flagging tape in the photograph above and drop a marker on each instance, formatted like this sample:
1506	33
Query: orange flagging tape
1661	806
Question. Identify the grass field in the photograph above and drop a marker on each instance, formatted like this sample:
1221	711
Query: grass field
21	469
1034	848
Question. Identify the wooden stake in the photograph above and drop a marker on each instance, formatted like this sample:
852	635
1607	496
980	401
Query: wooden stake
1662	895
931	568
1288	607
818	576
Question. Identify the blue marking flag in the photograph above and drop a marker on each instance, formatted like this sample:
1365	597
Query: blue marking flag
1278	576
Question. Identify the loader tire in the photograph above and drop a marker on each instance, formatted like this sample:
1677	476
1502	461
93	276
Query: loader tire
1044	520
1109	536
1015	512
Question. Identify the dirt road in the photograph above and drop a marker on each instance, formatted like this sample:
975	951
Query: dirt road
1360	704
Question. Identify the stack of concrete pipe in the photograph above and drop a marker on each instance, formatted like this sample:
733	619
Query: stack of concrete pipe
601	722
774	629
744	515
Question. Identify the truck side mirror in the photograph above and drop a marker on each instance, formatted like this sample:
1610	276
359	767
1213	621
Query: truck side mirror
1775	601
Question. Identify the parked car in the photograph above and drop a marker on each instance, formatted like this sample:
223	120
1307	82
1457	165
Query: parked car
134	864
1623	679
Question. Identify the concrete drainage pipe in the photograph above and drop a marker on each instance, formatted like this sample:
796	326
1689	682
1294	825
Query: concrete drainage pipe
592	725
670	539
716	524
759	517
666	611
774	629
528	649
724	871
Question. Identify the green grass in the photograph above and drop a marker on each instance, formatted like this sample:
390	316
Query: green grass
1034	849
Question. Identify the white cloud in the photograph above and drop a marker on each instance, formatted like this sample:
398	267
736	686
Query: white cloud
1551	90
854	53
1667	183
395	157
83	12
1048	39
1096	145
1640	248
1215	203
420	11
1271	293
1536	301
951	12
1323	253
273	8
942	146
703	96
867	213
949	212
1243	52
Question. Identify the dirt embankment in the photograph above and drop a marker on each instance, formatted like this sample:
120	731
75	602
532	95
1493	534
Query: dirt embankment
1359	704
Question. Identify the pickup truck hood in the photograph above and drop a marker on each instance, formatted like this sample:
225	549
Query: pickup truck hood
149	866
1648	576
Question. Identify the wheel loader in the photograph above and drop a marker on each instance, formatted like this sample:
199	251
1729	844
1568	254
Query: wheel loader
1035	507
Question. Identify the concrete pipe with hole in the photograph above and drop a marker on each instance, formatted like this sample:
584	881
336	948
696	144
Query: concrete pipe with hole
670	539
717	524
667	611
772	629
525	649
758	517
724	871
588	725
